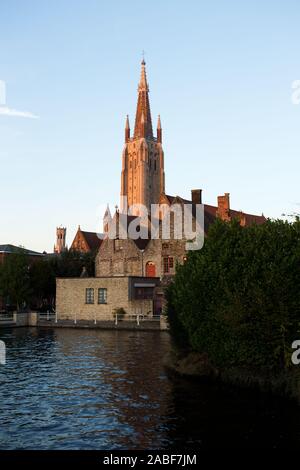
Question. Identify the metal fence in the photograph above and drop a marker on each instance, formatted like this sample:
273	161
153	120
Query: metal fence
137	318
6	318
47	316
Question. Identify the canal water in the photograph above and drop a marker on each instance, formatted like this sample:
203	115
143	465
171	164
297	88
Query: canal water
98	389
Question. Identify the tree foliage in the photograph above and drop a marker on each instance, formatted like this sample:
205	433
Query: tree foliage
24	281
15	279
238	299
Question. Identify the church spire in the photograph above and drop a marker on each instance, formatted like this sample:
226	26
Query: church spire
142	177
143	113
127	129
159	130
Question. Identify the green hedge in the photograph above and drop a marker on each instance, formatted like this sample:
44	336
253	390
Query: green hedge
238	299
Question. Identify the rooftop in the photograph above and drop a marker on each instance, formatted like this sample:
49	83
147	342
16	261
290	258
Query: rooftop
9	249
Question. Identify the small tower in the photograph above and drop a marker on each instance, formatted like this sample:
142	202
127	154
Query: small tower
60	245
107	219
159	131
127	129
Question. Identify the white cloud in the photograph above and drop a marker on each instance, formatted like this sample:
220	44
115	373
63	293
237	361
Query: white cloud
5	111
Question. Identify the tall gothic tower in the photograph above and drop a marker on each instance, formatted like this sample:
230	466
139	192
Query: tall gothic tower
143	177
60	245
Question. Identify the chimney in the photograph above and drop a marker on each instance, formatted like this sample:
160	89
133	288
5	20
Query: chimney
224	207
196	196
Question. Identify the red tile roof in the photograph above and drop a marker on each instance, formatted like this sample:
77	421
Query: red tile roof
210	214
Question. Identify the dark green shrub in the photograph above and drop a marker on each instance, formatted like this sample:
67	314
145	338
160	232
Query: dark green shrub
238	299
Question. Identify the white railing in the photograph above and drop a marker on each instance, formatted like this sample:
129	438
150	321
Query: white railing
47	316
136	318
7	317
105	317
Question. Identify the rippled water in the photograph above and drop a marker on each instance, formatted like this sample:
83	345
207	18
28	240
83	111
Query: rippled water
96	389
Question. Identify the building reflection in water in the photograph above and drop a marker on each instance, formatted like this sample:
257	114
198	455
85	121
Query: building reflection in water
107	389
137	389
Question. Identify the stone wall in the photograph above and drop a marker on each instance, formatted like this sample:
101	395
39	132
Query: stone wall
118	258
123	258
71	299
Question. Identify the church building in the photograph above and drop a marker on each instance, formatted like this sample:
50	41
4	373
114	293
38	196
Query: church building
131	272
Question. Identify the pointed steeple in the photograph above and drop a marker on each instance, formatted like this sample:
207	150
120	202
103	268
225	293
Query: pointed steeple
107	218
127	129
143	85
159	130
143	176
158	122
107	212
143	129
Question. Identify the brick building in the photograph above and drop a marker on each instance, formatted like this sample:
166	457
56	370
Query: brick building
121	263
85	242
6	250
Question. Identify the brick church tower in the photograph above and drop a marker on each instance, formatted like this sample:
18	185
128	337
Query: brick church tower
60	245
143	177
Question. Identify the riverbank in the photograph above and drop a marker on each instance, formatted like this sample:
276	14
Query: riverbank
198	366
144	325
29	319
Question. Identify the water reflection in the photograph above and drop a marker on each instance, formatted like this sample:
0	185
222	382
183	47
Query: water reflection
92	389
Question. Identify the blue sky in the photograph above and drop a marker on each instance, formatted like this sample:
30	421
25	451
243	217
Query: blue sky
220	76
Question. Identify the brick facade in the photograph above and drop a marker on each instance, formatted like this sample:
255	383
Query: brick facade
71	299
117	260
142	177
123	257
85	242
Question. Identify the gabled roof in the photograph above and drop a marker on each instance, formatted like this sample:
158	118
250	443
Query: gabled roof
210	213
249	218
92	240
9	249
141	243
172	199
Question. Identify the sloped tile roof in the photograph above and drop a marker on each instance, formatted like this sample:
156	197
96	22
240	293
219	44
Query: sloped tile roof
210	214
92	240
9	249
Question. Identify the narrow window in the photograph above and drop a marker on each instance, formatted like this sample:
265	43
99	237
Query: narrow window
89	296
102	296
166	265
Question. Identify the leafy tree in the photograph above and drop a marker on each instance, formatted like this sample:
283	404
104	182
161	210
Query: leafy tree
238	299
43	274
42	283
14	279
71	263
34	282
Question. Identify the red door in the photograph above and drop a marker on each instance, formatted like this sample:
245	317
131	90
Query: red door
150	269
